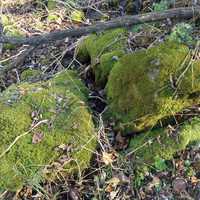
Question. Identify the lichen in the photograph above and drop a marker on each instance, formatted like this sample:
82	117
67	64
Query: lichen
150	84
67	131
163	143
99	50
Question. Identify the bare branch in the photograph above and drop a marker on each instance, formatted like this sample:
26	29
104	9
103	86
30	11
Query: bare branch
126	21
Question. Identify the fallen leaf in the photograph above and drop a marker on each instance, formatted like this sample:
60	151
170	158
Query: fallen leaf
37	137
113	194
114	181
194	180
107	158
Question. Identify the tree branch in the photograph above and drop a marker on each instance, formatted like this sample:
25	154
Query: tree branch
126	21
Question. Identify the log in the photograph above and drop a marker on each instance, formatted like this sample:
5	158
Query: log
126	21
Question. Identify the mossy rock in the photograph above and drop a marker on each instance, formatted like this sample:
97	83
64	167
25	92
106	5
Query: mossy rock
102	51
163	143
148	85
61	145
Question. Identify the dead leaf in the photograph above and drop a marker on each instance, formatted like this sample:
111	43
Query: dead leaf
109	189
37	137
154	183
194	180
114	181
112	184
64	148
107	158
113	194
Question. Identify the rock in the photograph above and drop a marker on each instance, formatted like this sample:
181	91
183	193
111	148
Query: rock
159	143
55	110
149	85
102	51
179	185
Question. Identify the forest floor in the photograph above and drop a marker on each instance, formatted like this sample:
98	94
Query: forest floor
110	176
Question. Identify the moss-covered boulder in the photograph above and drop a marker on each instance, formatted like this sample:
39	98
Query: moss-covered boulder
102	51
46	131
162	144
152	84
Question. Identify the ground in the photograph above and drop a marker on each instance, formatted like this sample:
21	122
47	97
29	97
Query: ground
113	172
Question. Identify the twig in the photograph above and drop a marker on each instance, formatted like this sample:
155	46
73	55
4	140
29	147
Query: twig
126	21
22	135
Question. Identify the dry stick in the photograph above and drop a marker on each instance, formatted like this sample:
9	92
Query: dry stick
22	135
126	21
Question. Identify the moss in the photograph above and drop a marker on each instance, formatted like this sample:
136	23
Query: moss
10	29
99	50
163	143
29	73
182	33
150	84
51	4
60	102
106	63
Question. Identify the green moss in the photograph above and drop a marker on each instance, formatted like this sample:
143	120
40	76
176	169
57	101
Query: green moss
51	4
182	33
99	51
59	101
141	90
106	63
163	143
10	29
29	73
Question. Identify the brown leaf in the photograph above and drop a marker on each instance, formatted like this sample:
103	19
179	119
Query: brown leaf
37	137
107	158
114	181
194	180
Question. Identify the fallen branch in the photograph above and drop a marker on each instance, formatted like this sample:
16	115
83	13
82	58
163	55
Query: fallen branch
126	21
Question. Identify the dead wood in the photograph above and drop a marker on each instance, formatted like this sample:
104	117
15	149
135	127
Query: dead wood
126	21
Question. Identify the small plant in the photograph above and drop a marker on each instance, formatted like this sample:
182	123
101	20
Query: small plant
161	6
160	164
181	33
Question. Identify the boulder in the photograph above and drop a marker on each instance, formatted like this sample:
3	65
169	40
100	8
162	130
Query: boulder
102	51
46	131
161	144
149	85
